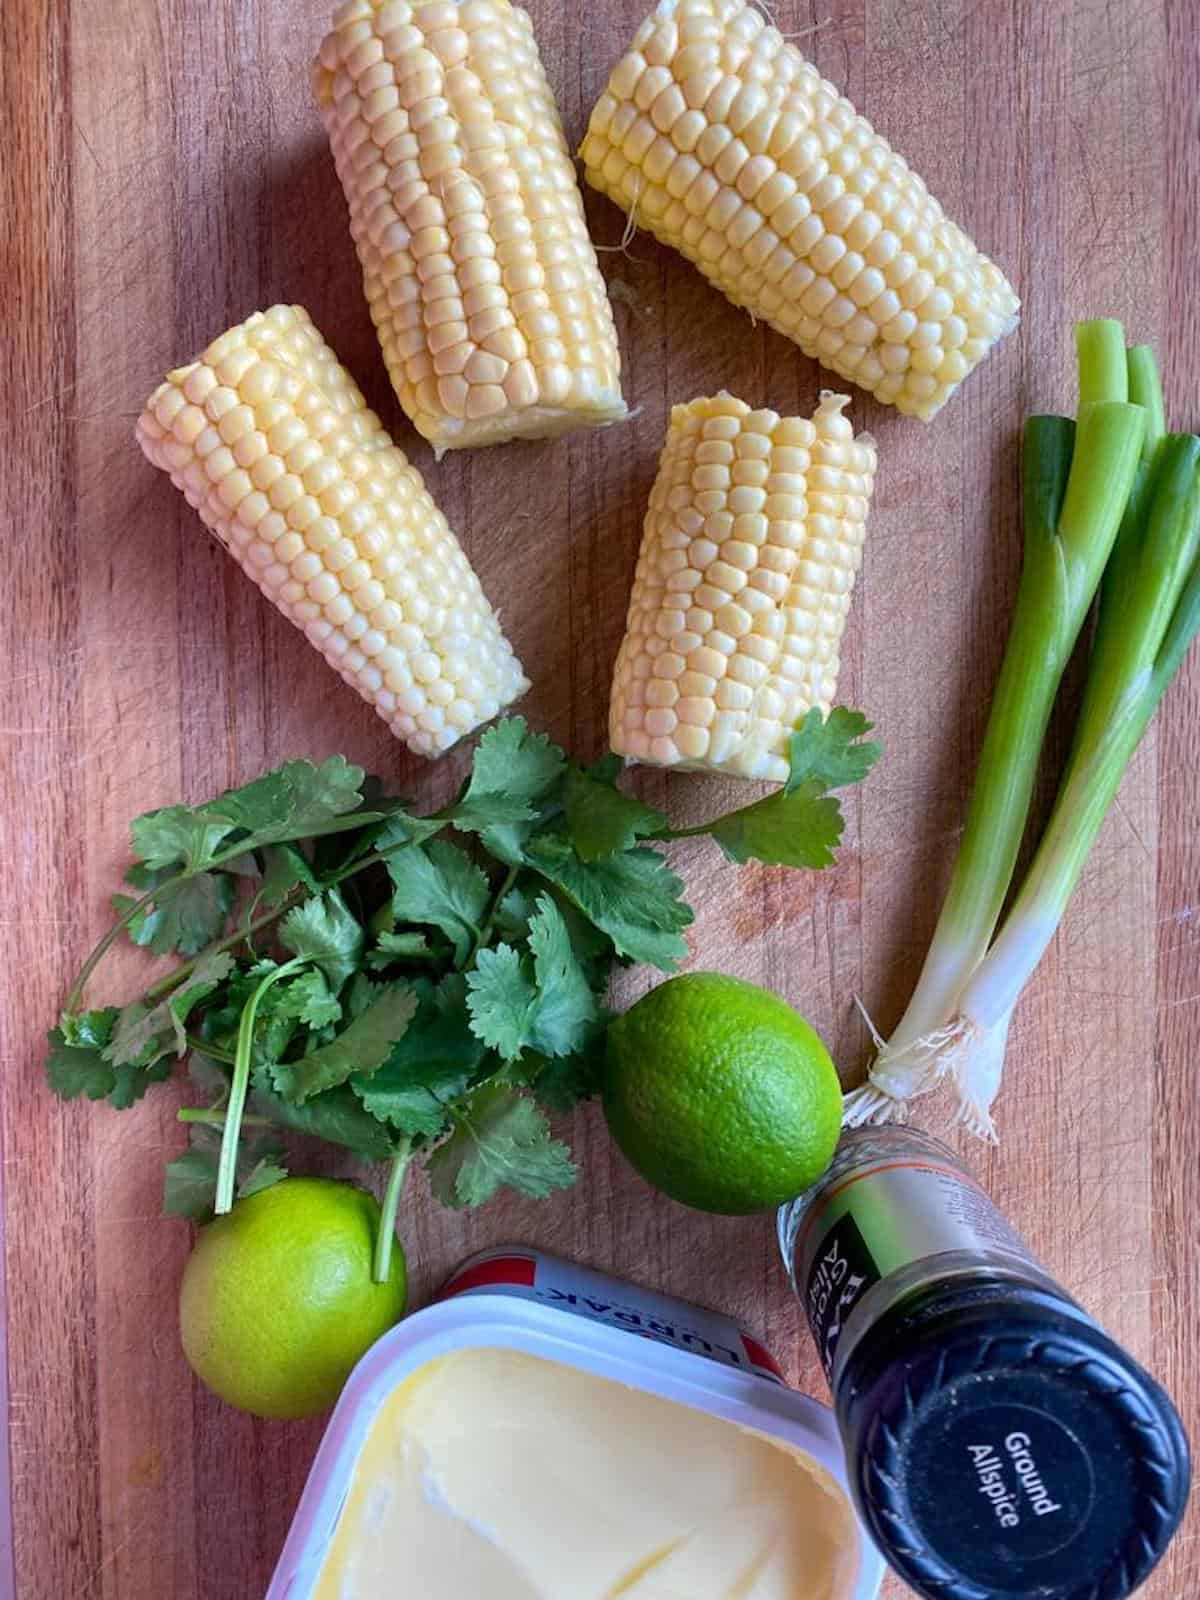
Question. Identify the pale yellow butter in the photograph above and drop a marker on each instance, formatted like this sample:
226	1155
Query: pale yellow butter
495	1475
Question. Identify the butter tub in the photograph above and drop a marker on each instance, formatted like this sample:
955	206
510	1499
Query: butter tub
606	1355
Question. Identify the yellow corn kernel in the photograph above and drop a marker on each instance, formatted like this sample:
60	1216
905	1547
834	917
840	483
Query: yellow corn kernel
792	205
272	443
751	546
482	280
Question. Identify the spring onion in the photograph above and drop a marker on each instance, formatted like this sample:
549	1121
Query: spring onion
1120	500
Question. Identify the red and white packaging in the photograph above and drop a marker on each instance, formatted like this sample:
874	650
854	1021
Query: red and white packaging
550	1281
527	1300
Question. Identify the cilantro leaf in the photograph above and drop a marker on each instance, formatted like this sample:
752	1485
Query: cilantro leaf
500	1140
130	1082
506	840
801	825
429	1067
184	916
566	1007
480	813
178	836
264	1174
304	1001
190	1186
309	998
143	1035
209	1077
439	885
89	1030
402	828
416	1100
393	947
361	993
633	897
561	1084
335	1116
828	751
549	1009
601	820
243	866
359	1050
323	930
295	801
75	1069
607	770
502	1001
138	1055
801	828
286	870
204	978
513	914
593	947
512	769
221	1020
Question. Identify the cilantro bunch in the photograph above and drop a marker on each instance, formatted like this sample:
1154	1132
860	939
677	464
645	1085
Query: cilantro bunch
406	986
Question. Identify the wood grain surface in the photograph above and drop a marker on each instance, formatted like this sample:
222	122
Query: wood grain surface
163	174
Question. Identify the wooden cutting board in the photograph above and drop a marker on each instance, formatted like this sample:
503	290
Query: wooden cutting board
164	173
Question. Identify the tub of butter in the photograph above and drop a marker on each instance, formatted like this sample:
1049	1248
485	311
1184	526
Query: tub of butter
545	1432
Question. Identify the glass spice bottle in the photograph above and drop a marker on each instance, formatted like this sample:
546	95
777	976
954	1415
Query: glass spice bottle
999	1444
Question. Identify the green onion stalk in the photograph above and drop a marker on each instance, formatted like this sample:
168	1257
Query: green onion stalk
1144	630
1111	498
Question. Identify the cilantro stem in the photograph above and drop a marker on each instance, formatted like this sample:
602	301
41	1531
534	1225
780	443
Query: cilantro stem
666	834
214	1117
93	961
227	1164
106	943
377	858
386	1236
173	979
484	931
205	1047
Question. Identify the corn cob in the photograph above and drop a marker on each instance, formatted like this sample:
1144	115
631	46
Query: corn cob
717	135
272	443
751	545
464	205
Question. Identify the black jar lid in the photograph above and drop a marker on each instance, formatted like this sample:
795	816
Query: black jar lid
1005	1451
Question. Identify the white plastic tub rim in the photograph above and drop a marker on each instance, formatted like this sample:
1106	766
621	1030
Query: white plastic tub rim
500	1321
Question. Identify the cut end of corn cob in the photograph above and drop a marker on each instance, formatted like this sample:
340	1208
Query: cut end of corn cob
482	279
272	443
752	542
719	137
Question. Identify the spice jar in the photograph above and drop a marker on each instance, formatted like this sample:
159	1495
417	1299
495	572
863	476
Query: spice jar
999	1444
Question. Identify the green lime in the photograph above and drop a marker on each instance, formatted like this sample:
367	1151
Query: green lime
277	1302
721	1095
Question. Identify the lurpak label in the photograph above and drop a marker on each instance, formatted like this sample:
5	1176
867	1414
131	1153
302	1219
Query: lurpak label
581	1292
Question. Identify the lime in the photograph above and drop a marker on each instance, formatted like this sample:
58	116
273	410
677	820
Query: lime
277	1302
721	1095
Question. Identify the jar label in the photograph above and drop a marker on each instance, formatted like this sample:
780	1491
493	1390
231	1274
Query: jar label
841	1274
880	1217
